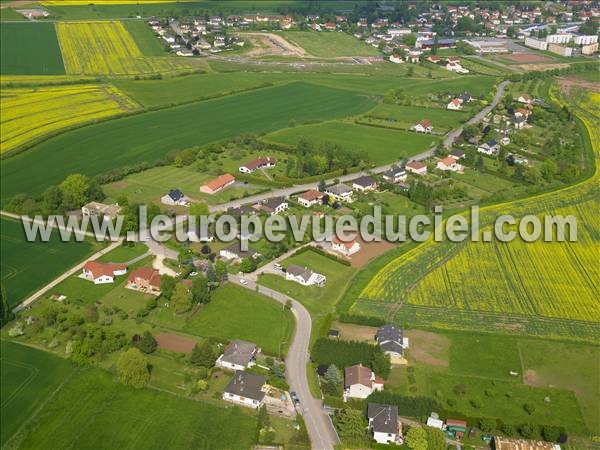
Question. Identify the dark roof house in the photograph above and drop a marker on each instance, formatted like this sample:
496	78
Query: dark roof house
383	418
247	385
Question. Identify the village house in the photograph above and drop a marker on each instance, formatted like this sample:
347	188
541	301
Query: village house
348	248
522	112
238	355
311	198
218	184
246	389
360	382
304	276
457	154
234	252
449	164
391	340
174	198
396	58
525	98
364	183
416	167
395	175
434	59
107	212
272	206
518	121
384	423
145	279
455	104
259	163
340	192
413	56
424	126
489	148
465	97
102	273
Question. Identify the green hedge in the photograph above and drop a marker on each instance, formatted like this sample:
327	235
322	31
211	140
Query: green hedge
344	354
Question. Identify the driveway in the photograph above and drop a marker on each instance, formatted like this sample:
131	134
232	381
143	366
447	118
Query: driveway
320	429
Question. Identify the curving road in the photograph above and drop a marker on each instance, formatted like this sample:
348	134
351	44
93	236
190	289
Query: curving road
320	429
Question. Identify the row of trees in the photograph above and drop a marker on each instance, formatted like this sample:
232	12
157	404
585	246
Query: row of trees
343	354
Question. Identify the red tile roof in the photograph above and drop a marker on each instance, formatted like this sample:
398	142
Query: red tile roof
150	275
348	244
259	162
99	269
448	160
220	182
456	101
415	165
311	195
425	123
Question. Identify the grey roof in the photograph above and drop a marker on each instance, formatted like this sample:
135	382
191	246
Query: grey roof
239	352
339	189
175	194
457	153
364	181
392	346
274	202
236	248
394	172
389	333
247	385
244	210
296	270
383	418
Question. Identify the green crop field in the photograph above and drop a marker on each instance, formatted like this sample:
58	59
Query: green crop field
30	49
92	409
407	116
329	44
28	377
147	42
27	266
10	14
237	313
147	137
382	145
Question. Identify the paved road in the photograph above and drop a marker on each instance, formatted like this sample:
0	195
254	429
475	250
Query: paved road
320	429
36	295
454	134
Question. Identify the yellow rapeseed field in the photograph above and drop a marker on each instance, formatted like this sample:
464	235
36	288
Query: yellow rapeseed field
27	114
555	280
107	48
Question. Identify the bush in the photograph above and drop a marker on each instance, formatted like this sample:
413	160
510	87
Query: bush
409	405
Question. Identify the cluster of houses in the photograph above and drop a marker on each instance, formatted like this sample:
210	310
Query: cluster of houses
142	279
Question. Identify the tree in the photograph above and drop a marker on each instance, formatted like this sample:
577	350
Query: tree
204	354
550	433
351	425
322	186
487	424
133	368
200	290
146	342
526	430
529	408
167	286
181	299
74	191
332	381
52	200
409	39
548	169
436	439
248	265
221	271
416	438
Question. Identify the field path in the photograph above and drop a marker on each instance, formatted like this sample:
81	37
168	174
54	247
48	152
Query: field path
320	428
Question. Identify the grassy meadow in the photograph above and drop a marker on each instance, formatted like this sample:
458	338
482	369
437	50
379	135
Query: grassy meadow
150	136
27	266
30	49
329	44
407	116
382	145
144	38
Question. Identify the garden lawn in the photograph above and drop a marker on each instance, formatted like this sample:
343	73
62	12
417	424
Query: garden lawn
238	313
441	120
27	266
124	253
29	377
93	409
148	137
330	44
381	145
30	49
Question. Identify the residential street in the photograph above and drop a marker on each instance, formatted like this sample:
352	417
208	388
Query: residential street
320	429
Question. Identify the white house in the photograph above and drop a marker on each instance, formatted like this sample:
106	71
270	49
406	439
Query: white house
304	276
259	163
174	197
489	148
457	154
396	59
395	175
384	423
391	340
238	355
360	382
455	104
524	98
246	389
234	252
345	248
275	205
340	192
364	183
102	273
310	198
424	126
449	164
416	167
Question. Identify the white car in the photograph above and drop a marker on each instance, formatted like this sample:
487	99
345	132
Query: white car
244	281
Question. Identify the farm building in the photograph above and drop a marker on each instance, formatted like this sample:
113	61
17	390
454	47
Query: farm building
145	279
304	276
238	355
310	198
384	423
246	389
488	45
218	184
456	428
360	382
102	273
259	163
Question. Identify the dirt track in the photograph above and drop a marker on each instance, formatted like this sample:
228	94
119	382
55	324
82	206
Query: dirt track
272	44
